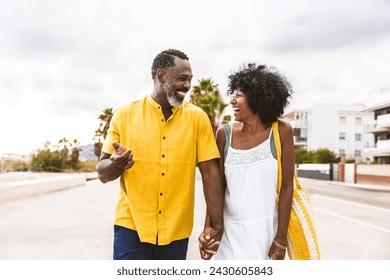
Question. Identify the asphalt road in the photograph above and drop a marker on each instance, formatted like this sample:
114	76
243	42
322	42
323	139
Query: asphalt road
76	224
376	197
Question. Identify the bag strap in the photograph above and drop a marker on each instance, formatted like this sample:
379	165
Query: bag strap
278	146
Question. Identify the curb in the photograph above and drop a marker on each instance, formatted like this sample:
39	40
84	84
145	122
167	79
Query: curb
370	187
27	188
362	186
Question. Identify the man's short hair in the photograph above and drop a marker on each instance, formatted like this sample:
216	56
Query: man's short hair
166	59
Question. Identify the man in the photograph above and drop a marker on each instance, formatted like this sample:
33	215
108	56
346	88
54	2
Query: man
153	145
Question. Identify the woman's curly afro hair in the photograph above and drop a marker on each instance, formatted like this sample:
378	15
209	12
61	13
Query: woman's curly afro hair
266	90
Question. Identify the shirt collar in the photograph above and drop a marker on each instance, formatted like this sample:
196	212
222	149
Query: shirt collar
151	101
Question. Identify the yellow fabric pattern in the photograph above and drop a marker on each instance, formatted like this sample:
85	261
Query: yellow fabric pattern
302	241
157	194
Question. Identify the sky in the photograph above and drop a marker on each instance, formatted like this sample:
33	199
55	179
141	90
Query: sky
62	62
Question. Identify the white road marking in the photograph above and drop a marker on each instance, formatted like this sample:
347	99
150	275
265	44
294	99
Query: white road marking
350	202
350	219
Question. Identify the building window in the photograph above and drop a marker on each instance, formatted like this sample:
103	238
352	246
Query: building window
358	153
358	137
343	120
342	152
342	135
358	121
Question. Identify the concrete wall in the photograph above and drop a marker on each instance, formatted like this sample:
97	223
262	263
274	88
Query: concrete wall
376	174
350	173
314	171
26	188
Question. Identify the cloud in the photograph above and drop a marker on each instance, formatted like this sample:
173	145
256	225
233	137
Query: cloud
331	25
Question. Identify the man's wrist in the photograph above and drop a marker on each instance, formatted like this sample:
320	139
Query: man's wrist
218	226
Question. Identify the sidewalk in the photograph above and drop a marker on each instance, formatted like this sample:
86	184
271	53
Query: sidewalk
361	186
370	187
16	185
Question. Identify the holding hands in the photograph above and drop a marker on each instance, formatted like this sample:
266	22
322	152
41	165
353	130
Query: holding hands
209	242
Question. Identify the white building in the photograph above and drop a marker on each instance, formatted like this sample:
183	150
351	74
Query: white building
379	127
336	127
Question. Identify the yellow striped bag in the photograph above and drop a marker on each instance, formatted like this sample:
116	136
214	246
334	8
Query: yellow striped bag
302	242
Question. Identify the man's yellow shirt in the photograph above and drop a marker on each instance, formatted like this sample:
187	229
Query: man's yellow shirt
157	193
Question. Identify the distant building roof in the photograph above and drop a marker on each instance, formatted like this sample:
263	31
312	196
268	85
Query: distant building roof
377	106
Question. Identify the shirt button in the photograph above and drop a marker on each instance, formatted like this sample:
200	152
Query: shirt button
163	174
161	194
164	137
162	120
163	156
159	212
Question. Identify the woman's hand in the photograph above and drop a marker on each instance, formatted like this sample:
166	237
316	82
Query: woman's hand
277	251
207	246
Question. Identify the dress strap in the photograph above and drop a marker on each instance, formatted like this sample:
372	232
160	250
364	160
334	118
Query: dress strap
227	141
272	144
229	133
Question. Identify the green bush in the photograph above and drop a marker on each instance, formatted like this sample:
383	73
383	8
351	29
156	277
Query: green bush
301	156
325	156
46	160
20	165
316	156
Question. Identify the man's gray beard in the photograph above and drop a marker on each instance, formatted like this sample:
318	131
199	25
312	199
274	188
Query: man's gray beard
173	100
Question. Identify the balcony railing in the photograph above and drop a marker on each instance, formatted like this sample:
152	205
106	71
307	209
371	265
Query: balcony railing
383	121
300	141
383	144
382	149
370	125
373	126
300	123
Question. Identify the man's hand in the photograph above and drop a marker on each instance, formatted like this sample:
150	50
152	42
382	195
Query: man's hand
122	157
208	245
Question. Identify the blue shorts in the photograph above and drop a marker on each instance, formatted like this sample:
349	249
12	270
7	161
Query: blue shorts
127	246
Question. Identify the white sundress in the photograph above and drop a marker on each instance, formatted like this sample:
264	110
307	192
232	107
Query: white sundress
250	213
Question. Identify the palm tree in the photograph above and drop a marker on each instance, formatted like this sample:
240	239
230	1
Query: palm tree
75	153
105	119
64	151
206	96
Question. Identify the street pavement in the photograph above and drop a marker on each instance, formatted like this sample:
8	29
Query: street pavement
77	224
73	224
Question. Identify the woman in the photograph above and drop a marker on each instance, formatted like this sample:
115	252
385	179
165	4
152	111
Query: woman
255	225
